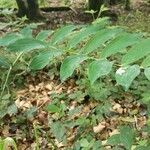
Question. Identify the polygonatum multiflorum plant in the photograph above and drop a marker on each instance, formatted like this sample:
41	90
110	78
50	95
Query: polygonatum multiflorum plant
96	46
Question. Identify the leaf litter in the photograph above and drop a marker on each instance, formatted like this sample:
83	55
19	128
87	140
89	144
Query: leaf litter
71	116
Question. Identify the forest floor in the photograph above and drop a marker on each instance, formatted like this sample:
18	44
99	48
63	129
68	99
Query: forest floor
29	122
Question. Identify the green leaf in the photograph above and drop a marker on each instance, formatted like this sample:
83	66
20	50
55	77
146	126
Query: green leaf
1	144
120	43
142	148
69	65
98	68
126	137
25	45
114	139
53	108
82	121
137	52
6	97
58	130
9	38
146	62
147	73
77	146
125	76
146	98
84	33
12	109
61	33
4	62
43	59
84	142
31	112
97	145
102	21
100	38
43	35
26	32
9	142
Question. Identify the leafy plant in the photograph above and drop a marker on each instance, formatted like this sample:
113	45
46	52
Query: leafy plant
106	41
126	138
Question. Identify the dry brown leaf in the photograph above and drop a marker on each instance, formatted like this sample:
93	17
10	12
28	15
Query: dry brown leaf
23	104
86	109
6	131
49	87
99	127
115	131
42	116
59	144
116	106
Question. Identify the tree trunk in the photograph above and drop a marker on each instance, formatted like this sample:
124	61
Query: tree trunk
30	8
95	4
22	8
127	5
112	2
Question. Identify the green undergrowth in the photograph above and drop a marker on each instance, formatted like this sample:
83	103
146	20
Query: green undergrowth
135	20
8	4
108	65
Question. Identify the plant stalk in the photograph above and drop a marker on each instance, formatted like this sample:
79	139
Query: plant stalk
8	74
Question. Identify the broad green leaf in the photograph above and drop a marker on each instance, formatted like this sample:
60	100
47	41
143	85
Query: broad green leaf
97	144
137	52
146	62
26	32
12	109
84	142
77	146
43	59
126	137
102	21
114	139
147	73
82	121
4	62
31	112
120	43
142	148
9	38
6	97
86	32
1	144
43	35
81	35
53	108
125	75
61	33
69	65
58	130
98	68
146	98
100	38
25	45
